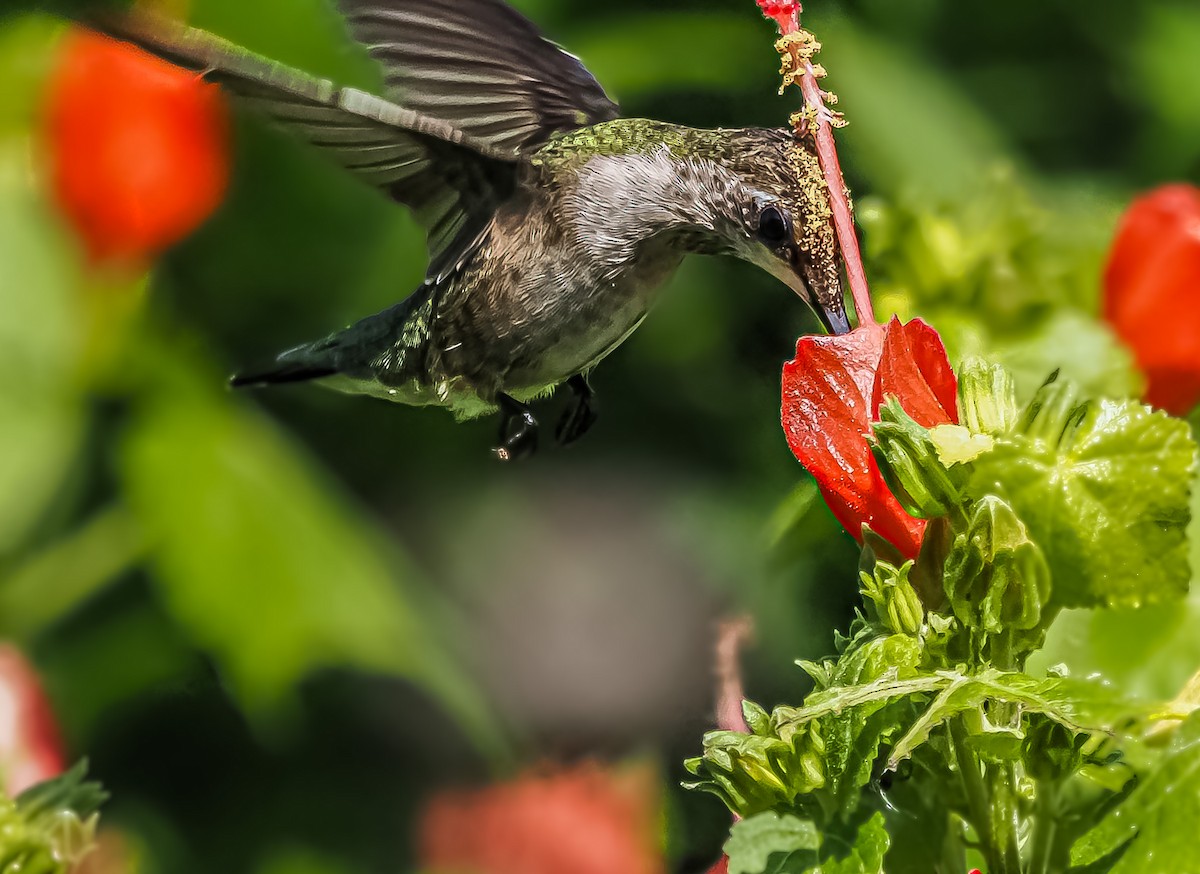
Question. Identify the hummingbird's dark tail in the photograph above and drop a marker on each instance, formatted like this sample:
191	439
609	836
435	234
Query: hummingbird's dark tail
301	364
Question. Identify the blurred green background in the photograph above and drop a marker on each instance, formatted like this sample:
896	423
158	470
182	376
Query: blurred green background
277	621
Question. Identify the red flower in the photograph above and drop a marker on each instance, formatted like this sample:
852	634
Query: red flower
139	148
30	749
832	392
722	867
1152	293
586	820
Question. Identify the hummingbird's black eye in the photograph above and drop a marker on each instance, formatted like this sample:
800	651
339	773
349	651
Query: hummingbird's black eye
774	227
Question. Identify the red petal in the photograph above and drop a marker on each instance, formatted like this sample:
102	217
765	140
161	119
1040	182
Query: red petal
914	369
1152	293
30	748
139	148
827	420
722	867
586	820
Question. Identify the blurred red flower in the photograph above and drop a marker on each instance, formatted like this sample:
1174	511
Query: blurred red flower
1152	293
721	867
30	749
138	148
832	392
586	820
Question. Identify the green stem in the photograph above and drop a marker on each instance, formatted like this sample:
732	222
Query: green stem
954	854
1045	824
1004	818
978	802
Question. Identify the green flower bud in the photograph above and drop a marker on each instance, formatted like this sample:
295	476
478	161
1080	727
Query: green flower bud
895	600
987	398
996	577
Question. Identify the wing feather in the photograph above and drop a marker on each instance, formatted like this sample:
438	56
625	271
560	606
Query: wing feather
449	178
480	66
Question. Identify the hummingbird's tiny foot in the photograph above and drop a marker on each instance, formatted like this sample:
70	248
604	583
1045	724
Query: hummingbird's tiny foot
580	415
518	430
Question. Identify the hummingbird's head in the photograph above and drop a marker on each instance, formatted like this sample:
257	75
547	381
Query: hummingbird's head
783	221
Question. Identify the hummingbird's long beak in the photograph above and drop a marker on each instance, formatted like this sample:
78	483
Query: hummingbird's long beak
820	284
835	321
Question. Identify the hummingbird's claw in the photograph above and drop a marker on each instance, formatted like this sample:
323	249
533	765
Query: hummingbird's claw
518	430
580	415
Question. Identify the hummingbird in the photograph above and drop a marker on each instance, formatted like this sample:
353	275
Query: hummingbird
551	220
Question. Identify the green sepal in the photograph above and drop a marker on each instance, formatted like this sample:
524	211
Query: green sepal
909	461
50	826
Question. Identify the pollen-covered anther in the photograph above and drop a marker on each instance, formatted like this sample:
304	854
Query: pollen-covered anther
805	120
818	71
834	119
800	43
830	98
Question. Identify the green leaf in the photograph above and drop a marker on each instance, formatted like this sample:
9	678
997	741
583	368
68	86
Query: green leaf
39	332
1078	705
1160	817
754	841
840	698
866	856
1103	490
852	723
771	843
265	563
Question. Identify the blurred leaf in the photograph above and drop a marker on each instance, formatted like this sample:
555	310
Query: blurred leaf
314	39
263	562
1169	87
99	664
39	400
1160	816
58	578
1104	490
26	54
300	861
1082	349
645	53
910	128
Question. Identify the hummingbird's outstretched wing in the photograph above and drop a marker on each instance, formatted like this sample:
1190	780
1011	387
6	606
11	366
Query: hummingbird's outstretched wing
452	180
479	65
